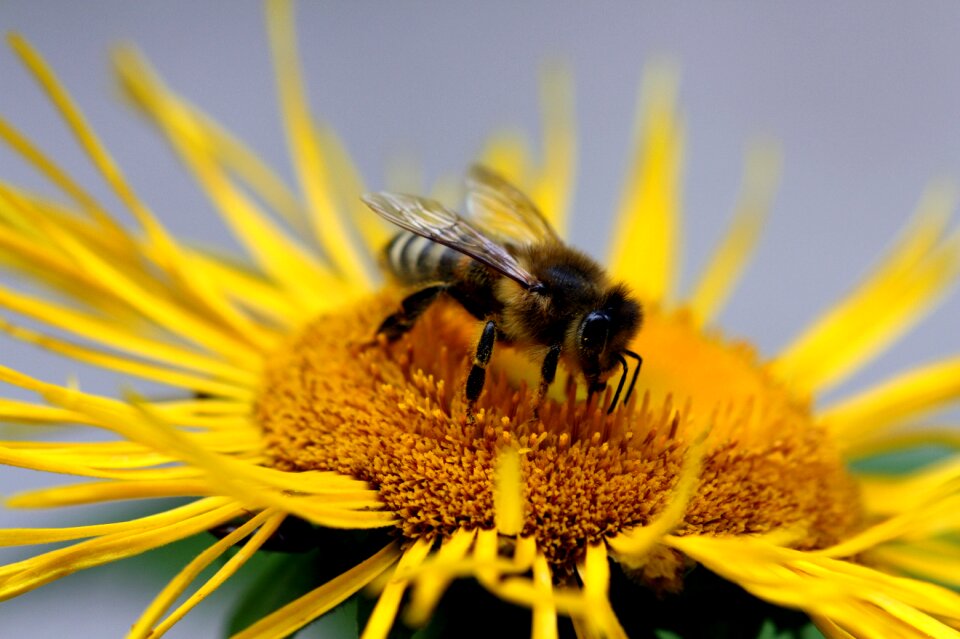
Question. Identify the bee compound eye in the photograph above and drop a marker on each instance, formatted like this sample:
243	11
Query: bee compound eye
594	330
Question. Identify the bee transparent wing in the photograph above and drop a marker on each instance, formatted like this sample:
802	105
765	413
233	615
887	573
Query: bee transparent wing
503	211
432	220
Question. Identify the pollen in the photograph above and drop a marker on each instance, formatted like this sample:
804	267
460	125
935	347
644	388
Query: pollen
335	398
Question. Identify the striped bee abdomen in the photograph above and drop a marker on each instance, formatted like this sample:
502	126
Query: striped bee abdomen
413	259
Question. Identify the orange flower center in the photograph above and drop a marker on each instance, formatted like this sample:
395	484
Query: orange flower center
394	416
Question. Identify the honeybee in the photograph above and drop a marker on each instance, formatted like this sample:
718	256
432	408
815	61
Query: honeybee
507	267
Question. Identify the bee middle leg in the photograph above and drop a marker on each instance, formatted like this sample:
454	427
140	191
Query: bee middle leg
548	372
478	372
411	308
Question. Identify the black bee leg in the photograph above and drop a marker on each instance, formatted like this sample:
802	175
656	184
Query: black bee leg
478	372
411	308
548	371
623	378
636	373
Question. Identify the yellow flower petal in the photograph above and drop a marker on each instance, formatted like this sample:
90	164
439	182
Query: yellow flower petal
902	288
24	536
270	525
302	611
869	414
761	174
434	576
645	250
508	492
308	159
22	576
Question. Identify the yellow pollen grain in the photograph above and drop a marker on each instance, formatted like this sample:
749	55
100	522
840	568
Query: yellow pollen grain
393	415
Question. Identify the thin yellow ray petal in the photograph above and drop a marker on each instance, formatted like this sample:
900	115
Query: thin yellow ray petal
94	456
932	282
27	248
36	460
143	370
308	159
595	573
31	536
252	291
91	145
836	590
900	290
915	437
829	629
632	547
23	576
927	626
347	187
385	612
905	396
181	410
938	562
544	612
485	552
166	313
275	252
49	169
162	246
508	499
645	248
243	162
176	586
931	519
226	571
116	336
508	154
761	175
34	207
12	410
553	187
893	495
33	253
583	630
125	455
523	592
490	571
99	492
435	577
244	480
525	552
295	615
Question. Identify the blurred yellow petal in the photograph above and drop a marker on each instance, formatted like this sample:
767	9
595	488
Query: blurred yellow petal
302	611
646	247
916	273
761	175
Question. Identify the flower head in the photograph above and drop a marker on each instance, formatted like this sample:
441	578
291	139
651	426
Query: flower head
292	411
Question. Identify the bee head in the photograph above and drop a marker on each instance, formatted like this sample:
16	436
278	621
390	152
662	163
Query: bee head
605	332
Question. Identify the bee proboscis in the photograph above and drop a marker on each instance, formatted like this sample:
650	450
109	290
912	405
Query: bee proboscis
507	267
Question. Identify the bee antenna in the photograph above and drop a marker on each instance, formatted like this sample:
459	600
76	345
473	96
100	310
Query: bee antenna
623	378
636	373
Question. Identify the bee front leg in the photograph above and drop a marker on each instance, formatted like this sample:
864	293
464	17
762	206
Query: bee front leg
411	308
478	372
548	371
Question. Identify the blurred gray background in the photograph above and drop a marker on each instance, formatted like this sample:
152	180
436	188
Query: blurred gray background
864	97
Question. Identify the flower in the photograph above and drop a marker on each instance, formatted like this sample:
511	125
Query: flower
289	413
